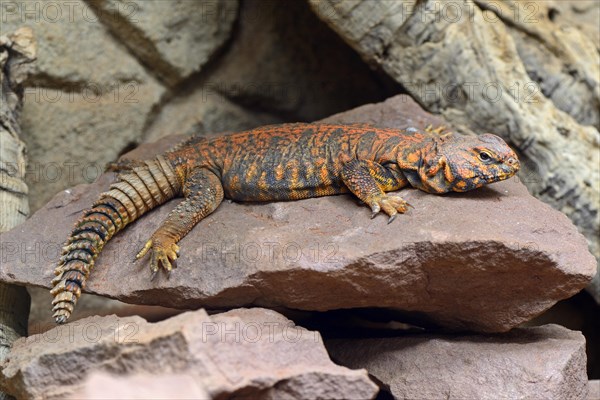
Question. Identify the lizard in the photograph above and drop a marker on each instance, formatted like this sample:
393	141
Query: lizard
273	163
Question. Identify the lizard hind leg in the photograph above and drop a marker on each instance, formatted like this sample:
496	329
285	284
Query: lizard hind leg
203	193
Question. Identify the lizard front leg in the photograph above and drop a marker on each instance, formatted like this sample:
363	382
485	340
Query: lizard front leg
369	181
203	193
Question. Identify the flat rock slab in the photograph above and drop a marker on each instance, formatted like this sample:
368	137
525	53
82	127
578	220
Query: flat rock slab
244	352
546	362
485	260
103	386
594	389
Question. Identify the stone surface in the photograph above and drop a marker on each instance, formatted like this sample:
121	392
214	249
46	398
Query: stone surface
41	321
71	139
572	90
398	112
545	362
284	59
485	260
102	386
176	38
594	390
17	54
86	101
204	111
584	14
244	352
555	54
460	60
75	50
577	313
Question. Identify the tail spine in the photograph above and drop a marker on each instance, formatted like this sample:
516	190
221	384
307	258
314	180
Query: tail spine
135	193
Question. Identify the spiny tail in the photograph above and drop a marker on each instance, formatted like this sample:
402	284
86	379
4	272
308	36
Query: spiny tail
136	192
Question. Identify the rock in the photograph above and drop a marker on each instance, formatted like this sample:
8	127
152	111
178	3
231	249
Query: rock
81	108
583	14
17	54
546	362
141	386
485	260
75	50
283	59
398	112
41	321
175	40
555	54
594	389
71	139
460	60
204	111
245	352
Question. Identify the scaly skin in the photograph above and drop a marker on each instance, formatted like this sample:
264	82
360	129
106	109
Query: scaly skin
278	162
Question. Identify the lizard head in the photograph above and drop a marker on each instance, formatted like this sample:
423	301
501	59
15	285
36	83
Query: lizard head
462	163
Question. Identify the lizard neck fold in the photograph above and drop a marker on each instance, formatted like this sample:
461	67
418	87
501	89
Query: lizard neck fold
424	166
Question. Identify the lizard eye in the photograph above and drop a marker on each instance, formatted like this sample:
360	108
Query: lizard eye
485	156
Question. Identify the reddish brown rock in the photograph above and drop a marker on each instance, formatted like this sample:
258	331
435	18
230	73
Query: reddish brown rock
103	386
399	112
546	362
594	389
485	260
244	352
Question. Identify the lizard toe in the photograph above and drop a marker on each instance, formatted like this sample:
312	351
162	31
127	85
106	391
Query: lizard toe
390	210
144	250
166	264
391	205
398	203
154	264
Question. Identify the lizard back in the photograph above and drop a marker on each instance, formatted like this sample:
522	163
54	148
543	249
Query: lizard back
292	161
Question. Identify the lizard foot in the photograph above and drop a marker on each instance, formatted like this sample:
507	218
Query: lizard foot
440	130
163	254
390	204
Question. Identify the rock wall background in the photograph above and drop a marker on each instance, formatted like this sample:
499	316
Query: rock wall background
112	74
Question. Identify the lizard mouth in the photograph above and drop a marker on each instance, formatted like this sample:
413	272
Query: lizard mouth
490	178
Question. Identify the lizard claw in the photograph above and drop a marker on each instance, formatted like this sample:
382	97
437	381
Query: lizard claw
391	205
375	210
153	275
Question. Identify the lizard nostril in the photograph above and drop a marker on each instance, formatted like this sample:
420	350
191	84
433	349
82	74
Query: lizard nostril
511	161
